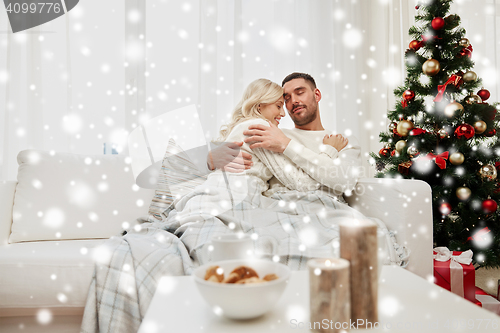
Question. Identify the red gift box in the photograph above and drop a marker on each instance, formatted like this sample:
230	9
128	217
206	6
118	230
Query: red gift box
487	302
463	282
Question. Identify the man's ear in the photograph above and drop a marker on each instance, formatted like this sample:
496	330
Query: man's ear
317	95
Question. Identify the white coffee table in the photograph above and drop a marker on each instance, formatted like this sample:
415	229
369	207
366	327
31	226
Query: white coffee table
407	303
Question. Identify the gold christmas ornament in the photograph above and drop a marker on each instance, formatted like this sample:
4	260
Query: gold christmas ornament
469	76
464	42
473	99
400	145
412	151
457	158
479	126
443	134
488	172
431	67
404	127
392	126
463	193
453	109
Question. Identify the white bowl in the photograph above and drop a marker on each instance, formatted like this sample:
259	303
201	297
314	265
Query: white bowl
243	301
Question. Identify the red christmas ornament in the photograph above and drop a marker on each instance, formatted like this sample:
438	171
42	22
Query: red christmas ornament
464	130
384	152
415	45
417	7
491	132
484	94
445	208
437	23
489	206
408	96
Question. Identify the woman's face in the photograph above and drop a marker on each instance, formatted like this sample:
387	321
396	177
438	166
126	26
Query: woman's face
273	111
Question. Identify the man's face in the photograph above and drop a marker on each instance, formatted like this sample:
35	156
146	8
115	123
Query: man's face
301	101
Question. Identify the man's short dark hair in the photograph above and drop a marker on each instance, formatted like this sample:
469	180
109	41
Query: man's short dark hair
297	75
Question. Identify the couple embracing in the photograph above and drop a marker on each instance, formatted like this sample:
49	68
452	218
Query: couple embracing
305	158
285	189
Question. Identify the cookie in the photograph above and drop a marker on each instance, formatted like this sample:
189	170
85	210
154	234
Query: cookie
240	273
250	280
212	275
270	277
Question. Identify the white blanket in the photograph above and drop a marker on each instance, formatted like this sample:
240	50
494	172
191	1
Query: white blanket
294	226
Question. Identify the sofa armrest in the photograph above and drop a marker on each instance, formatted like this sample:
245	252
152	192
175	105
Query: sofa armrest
405	206
7	191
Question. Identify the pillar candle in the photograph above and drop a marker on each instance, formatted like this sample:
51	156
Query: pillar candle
358	244
329	294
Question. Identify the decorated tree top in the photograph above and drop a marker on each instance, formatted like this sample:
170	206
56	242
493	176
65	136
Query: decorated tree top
443	131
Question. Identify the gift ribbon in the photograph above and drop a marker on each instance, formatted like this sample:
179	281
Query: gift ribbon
456	270
487	302
454	79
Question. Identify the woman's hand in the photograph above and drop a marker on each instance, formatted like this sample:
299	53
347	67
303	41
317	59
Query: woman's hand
229	157
337	141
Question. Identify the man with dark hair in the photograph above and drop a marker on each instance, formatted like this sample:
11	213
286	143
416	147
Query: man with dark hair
338	170
297	75
303	144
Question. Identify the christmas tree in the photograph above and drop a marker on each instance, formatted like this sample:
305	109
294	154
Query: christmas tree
444	132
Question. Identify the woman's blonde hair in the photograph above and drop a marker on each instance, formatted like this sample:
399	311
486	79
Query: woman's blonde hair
260	91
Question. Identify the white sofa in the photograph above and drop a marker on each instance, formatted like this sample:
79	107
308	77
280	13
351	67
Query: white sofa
64	205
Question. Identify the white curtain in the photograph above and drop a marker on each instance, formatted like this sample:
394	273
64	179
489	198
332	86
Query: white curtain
88	78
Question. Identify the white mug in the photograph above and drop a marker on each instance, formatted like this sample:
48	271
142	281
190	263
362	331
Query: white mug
383	254
230	246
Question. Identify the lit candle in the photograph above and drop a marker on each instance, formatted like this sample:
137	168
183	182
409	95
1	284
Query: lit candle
329	294
358	244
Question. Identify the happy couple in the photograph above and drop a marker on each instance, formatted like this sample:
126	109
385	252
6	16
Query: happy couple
305	158
297	219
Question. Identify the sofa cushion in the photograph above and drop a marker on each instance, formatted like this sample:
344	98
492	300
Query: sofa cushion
178	176
46	274
69	196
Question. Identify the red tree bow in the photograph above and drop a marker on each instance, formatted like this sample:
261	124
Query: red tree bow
466	51
429	38
478	236
439	159
417	131
455	79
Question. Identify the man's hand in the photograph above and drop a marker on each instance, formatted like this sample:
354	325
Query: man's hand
269	138
229	157
336	141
